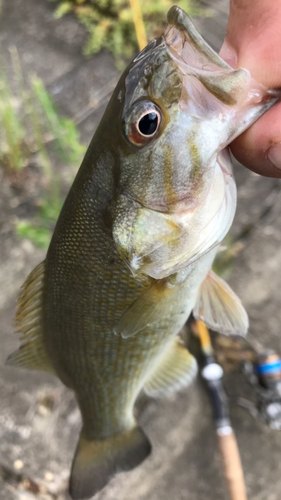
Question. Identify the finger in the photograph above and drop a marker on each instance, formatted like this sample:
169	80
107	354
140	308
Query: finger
259	148
253	39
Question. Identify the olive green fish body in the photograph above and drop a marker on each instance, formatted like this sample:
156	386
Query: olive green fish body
94	289
133	247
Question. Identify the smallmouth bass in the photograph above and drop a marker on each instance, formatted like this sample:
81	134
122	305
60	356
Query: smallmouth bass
133	247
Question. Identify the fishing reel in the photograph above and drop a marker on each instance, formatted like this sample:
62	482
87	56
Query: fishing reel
263	373
261	369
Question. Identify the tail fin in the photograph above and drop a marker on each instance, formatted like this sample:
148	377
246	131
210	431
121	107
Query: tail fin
96	461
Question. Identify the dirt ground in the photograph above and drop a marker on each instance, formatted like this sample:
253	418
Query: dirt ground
39	419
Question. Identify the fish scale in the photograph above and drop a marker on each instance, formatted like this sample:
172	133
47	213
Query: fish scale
131	370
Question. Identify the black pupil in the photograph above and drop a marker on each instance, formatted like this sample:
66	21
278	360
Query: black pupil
148	123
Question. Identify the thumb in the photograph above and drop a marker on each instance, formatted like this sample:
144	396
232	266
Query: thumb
253	41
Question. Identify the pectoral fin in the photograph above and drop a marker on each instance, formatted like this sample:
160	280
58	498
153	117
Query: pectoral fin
219	307
156	301
176	370
32	354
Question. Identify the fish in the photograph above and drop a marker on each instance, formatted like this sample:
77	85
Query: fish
132	251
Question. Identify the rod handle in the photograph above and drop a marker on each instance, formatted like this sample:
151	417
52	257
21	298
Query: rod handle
232	464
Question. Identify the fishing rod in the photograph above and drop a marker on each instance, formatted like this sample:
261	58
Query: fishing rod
212	374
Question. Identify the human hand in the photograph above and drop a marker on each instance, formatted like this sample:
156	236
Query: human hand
253	41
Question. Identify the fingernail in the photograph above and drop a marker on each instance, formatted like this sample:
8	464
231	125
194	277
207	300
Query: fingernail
274	155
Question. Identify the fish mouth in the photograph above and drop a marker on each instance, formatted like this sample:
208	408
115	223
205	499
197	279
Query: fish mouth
183	39
208	80
229	91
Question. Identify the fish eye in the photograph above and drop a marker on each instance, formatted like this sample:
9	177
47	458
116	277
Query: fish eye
144	123
148	124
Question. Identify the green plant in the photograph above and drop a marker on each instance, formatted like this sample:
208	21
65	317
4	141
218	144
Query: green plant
110	22
13	147
62	130
31	130
39	230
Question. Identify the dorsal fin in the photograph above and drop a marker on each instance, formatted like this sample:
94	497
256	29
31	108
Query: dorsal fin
219	307
175	370
32	353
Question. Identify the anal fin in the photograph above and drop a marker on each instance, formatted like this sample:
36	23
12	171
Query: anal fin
97	461
219	307
32	353
175	371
